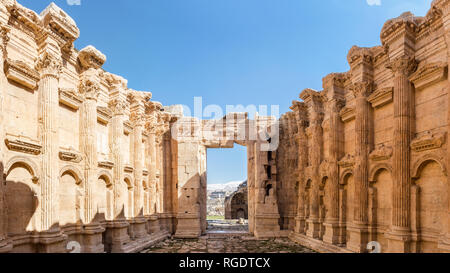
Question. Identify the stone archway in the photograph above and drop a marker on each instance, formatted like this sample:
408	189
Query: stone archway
194	137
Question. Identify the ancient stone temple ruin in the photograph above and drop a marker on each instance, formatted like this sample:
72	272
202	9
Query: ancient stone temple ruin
236	204
85	159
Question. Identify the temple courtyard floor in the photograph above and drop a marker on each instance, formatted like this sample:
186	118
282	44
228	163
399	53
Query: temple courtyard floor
227	237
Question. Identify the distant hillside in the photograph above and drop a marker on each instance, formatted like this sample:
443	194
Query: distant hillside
230	186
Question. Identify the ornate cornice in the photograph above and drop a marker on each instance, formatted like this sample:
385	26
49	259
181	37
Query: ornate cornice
405	24
21	73
347	114
358	55
428	141
128	169
381	97
71	156
381	153
59	21
104	115
347	161
106	165
429	74
23	146
127	127
90	57
70	98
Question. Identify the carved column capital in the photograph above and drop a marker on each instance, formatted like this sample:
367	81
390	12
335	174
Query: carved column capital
90	86
49	65
138	119
362	89
4	38
403	65
117	106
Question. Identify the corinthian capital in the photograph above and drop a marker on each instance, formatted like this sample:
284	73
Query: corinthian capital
362	89
4	38
403	65
90	85
49	65
117	106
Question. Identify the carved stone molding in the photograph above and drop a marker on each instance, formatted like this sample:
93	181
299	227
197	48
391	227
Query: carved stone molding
381	97
21	73
347	161
60	22
402	65
428	141
90	57
70	98
428	75
104	115
49	65
128	169
23	146
362	88
71	156
106	165
145	172
381	153
347	114
127	127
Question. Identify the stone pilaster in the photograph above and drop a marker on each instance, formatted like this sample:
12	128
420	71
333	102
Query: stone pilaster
5	244
399	236
138	121
301	114
358	231
443	9
314	101
91	61
49	65
117	229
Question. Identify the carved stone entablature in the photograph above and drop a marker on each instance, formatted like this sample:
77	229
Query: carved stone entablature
127	127
70	98
428	141
23	145
381	153
21	73
104	115
128	169
26	16
70	155
60	22
334	80
347	114
145	172
381	97
358	55
405	24
428	75
90	57
347	161
106	165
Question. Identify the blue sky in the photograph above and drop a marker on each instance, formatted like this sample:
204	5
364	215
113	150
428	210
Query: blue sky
259	52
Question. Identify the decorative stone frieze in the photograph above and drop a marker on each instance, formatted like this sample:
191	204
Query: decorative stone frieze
429	74
428	141
381	153
21	73
70	98
381	97
23	146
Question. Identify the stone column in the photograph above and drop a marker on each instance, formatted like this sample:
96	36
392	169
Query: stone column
49	66
138	121
399	236
91	61
359	230
152	109
334	143
300	110
314	101
443	7
117	229
5	244
167	173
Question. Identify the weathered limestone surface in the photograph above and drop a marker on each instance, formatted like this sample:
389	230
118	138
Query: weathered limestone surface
87	159
384	170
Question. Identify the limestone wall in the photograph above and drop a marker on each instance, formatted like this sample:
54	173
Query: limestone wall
84	157
373	144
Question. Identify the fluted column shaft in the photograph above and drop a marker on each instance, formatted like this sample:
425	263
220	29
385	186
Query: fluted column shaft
138	168
402	67
3	81
88	139
152	171
117	136
362	149
302	164
334	156
48	111
317	138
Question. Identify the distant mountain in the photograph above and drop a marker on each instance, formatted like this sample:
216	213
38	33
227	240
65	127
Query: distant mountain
229	186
